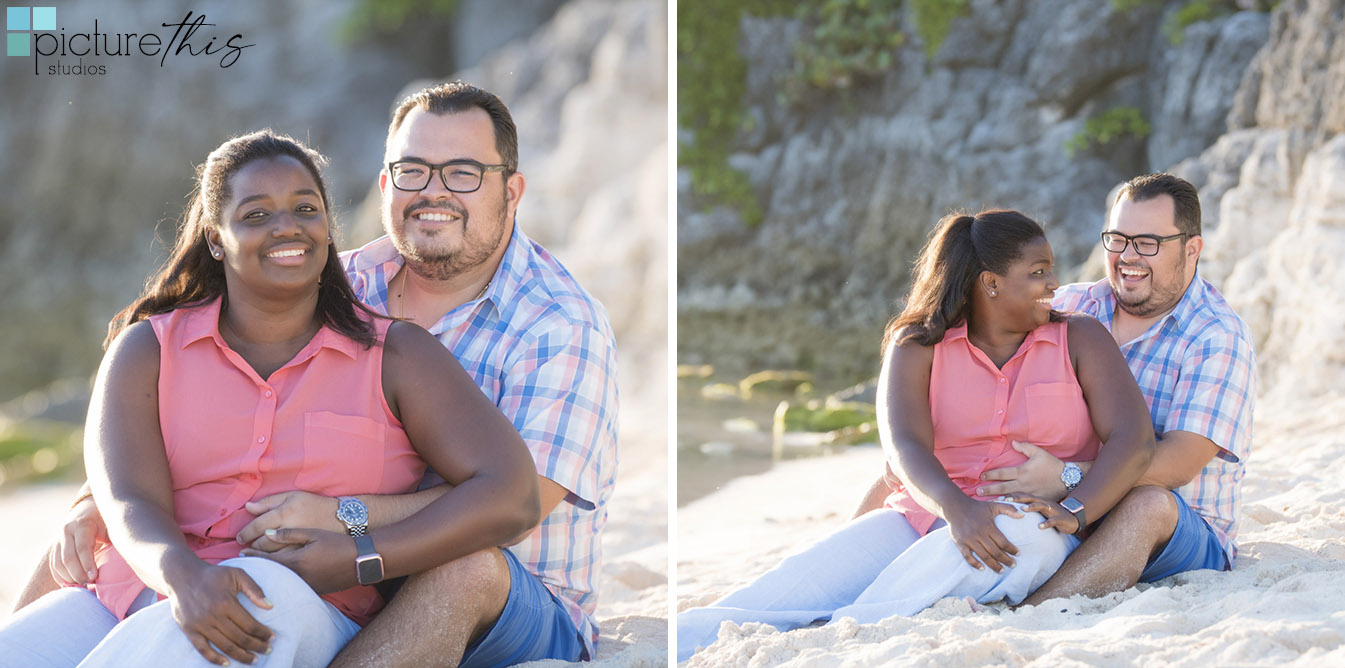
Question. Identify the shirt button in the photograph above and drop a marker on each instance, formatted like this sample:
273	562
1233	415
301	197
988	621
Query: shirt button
1003	380
999	412
268	394
223	512
261	439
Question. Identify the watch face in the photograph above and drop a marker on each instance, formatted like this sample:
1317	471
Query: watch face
369	569
1072	475
1071	505
352	512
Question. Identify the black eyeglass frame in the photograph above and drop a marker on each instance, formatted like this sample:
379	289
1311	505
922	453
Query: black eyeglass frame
1128	240
392	173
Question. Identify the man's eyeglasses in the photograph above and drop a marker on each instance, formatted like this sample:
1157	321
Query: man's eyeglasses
459	176
1145	244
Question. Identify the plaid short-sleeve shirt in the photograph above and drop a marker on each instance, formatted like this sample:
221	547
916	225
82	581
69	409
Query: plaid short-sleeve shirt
542	349
1197	371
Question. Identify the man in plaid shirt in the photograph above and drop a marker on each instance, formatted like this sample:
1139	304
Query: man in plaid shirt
455	263
1192	357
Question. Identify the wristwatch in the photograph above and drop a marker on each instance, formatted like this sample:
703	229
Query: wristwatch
352	513
1071	476
368	563
1075	508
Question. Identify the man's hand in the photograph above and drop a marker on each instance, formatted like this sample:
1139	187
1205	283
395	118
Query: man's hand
1056	516
288	510
216	624
972	526
72	555
324	559
1038	476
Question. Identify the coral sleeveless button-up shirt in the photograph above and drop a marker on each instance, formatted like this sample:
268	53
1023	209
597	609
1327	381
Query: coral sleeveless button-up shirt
318	424
979	410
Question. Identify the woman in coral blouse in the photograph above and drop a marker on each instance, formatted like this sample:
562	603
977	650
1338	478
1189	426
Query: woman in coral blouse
975	361
248	368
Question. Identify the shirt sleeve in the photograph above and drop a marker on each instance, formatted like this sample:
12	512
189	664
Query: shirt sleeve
1213	397
560	393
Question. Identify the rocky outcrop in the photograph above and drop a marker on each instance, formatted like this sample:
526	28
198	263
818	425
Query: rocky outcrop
1274	193
100	165
851	183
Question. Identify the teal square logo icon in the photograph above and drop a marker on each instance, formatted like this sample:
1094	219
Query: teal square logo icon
19	21
16	18
16	44
44	18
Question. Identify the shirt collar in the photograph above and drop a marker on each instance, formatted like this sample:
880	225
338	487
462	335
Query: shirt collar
509	276
1044	334
202	322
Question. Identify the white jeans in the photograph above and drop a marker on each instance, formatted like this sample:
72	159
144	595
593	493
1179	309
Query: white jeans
71	627
875	567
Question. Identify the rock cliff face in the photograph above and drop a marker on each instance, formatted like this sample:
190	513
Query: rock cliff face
1274	192
98	164
852	184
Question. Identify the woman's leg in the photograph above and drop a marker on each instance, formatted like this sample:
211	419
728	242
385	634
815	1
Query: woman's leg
57	630
806	586
934	568
308	630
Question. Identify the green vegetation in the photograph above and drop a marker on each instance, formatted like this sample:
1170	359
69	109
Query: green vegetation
40	450
1107	127
848	41
817	416
1189	12
934	17
711	78
386	17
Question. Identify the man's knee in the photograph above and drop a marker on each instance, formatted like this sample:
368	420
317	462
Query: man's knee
1149	504
476	585
484	570
1146	511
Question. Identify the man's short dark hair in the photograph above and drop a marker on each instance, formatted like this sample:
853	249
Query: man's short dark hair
456	97
1185	201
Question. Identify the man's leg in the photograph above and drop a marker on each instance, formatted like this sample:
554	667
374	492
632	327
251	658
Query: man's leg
434	615
1115	555
39	583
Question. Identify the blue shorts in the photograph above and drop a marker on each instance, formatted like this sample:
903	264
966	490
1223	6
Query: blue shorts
533	626
1193	546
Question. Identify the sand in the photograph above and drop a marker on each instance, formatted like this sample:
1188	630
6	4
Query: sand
1283	604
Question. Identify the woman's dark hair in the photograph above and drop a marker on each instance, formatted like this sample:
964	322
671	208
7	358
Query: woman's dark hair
191	276
958	250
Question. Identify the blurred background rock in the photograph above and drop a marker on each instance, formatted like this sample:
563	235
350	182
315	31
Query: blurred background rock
98	168
819	144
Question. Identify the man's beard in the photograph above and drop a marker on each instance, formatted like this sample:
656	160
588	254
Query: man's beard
1161	297
442	263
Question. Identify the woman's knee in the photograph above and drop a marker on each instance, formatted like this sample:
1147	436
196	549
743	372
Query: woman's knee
285	590
1026	531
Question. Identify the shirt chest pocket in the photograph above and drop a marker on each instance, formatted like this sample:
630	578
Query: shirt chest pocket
343	455
1057	415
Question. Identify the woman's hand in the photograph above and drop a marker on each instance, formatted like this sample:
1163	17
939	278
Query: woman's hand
324	559
72	555
1056	516
1038	476
215	621
972	526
